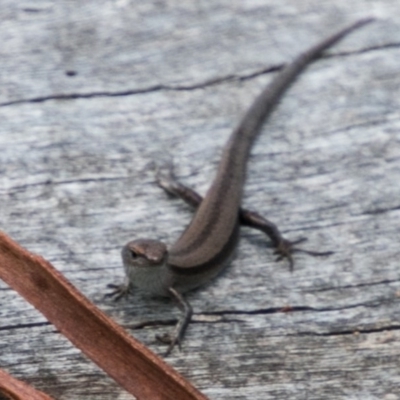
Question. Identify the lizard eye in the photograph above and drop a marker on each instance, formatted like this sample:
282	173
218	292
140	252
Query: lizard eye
133	254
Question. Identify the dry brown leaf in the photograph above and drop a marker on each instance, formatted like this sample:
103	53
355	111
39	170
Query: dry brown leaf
129	362
13	389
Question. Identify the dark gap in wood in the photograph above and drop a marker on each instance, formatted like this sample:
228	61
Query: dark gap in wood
378	211
367	284
201	85
349	331
23	326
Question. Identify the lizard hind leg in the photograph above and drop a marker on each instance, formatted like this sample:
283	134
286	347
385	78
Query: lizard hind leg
166	180
284	248
287	248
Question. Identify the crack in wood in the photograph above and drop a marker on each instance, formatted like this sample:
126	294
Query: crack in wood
161	87
378	211
23	326
355	331
366	284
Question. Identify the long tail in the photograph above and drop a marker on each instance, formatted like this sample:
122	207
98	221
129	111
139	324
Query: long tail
211	234
265	103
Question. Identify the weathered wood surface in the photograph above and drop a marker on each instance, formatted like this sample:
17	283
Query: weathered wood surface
92	92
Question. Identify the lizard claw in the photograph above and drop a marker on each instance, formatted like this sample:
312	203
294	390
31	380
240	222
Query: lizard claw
165	177
171	341
119	291
286	248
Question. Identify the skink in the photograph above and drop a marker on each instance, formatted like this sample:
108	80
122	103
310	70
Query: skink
208	242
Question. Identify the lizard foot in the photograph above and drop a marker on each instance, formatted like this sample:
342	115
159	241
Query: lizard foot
170	341
286	248
118	292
